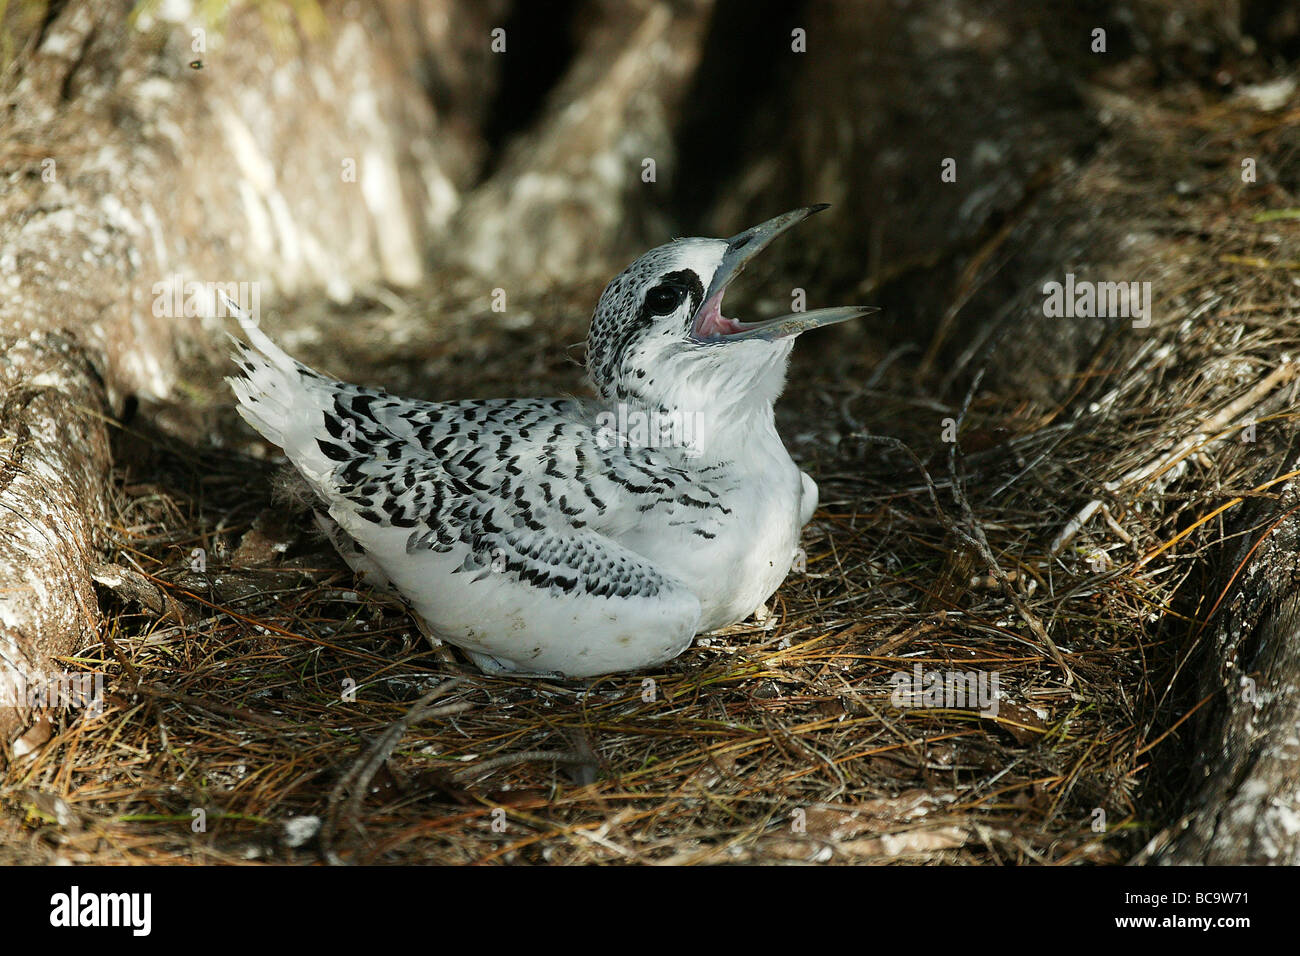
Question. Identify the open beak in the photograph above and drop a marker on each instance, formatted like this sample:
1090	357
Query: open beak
710	326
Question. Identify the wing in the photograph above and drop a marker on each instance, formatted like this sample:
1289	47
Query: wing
475	512
524	587
536	457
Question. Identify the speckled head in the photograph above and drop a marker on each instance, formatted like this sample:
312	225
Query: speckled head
659	335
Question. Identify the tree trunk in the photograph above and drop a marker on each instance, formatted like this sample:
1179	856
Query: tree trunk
136	165
1246	809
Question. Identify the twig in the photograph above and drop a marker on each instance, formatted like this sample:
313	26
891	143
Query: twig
356	781
226	710
980	542
509	760
1210	431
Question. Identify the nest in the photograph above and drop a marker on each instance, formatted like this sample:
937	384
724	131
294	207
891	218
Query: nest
261	706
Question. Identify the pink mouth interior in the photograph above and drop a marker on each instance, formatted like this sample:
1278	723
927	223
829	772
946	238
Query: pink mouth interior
712	322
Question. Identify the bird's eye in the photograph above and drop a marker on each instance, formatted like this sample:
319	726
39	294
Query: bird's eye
663	299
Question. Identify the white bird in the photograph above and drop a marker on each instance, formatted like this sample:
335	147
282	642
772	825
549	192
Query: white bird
570	537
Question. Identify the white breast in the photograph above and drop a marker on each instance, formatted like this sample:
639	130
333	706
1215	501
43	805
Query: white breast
739	569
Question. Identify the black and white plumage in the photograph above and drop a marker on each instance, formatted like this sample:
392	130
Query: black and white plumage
566	536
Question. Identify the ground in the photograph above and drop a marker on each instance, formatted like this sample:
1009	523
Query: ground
263	707
773	741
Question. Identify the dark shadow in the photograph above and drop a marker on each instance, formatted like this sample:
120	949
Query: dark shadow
737	96
539	48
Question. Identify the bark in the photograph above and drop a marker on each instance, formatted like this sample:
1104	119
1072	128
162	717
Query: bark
1246	808
575	193
53	485
126	167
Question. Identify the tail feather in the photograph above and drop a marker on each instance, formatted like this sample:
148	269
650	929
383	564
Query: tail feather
280	397
261	341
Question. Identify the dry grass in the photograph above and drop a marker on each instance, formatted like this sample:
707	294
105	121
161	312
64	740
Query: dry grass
763	743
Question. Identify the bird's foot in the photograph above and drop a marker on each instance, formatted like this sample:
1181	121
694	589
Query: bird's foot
499	668
440	648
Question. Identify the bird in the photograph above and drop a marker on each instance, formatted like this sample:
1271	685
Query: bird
569	537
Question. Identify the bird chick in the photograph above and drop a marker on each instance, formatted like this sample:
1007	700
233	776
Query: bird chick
570	537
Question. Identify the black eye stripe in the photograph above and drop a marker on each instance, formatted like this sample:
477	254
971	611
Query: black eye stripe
645	317
688	280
